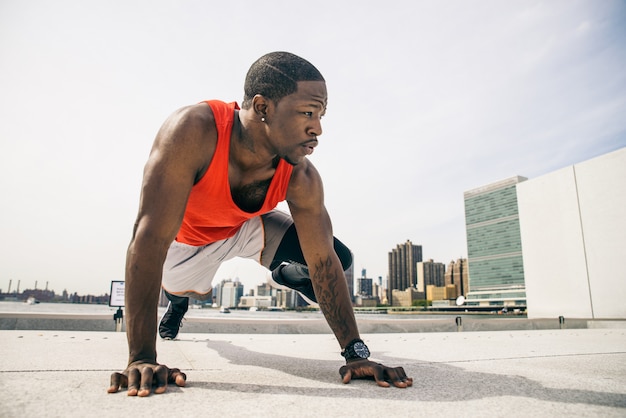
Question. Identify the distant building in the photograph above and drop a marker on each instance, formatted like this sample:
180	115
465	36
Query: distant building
265	289
289	299
366	301
365	291
458	275
494	245
350	279
379	291
230	293
403	268
364	285
430	273
405	297
282	298
441	292
255	301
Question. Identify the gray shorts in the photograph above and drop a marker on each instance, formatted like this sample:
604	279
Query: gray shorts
189	270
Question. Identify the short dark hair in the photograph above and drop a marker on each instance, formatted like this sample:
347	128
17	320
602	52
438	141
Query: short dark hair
275	75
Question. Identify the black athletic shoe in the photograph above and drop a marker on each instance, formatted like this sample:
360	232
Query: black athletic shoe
294	277
171	322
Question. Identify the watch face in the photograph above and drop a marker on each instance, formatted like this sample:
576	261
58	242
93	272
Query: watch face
361	350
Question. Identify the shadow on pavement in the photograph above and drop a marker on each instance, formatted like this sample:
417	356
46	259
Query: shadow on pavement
433	382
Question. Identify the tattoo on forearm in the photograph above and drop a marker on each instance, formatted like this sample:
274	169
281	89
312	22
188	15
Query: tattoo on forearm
326	282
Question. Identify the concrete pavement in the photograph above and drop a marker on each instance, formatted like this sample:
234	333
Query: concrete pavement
553	372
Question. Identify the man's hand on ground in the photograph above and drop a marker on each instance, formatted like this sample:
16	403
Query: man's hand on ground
140	378
384	376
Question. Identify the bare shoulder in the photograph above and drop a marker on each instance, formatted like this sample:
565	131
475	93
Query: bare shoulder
306	189
187	136
188	123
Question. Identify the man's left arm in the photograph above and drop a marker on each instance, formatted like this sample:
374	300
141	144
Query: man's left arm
313	224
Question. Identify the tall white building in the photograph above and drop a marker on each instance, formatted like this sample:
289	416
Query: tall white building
573	232
230	293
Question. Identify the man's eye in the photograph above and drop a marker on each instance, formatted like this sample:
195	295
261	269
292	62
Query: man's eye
308	114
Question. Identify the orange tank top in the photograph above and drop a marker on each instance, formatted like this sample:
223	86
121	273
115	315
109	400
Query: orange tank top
211	214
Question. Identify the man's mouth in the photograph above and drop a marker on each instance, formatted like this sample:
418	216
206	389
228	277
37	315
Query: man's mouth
309	146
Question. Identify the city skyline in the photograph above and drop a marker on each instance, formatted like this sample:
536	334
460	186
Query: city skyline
426	101
248	289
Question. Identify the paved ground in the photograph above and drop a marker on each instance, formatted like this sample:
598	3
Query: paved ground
569	372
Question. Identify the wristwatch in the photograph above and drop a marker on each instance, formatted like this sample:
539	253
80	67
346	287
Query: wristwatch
356	349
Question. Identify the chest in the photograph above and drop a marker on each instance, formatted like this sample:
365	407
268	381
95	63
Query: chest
250	197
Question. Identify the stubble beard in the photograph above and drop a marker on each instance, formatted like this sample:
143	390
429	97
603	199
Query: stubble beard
292	161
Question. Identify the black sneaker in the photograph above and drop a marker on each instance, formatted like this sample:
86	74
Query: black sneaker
294	277
171	321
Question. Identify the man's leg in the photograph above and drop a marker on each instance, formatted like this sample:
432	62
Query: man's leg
173	317
289	251
285	259
187	272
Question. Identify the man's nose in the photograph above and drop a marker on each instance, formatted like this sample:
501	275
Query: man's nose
316	128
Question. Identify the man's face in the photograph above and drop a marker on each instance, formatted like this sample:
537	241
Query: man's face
296	121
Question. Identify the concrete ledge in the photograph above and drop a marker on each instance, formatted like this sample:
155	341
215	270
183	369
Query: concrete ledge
607	323
59	322
367	324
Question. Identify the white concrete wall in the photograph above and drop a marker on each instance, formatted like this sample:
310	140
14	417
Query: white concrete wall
573	230
602	200
552	247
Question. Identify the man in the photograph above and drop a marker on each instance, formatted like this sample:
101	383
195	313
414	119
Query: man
211	183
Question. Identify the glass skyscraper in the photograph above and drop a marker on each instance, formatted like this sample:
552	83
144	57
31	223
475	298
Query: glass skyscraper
494	245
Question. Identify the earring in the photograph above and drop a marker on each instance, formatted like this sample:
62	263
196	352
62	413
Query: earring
263	119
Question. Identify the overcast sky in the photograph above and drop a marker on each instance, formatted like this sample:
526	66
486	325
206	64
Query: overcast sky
427	99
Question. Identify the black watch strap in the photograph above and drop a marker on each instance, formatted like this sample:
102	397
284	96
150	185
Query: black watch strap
356	349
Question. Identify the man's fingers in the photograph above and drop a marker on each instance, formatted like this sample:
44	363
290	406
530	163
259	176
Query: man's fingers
147	375
117	380
178	377
181	379
402	377
397	376
346	374
160	379
134	379
383	375
142	378
379	376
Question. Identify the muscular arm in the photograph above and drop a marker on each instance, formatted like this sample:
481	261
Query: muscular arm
306	203
182	150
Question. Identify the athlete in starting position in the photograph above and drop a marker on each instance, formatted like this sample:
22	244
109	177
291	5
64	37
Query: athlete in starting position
211	184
